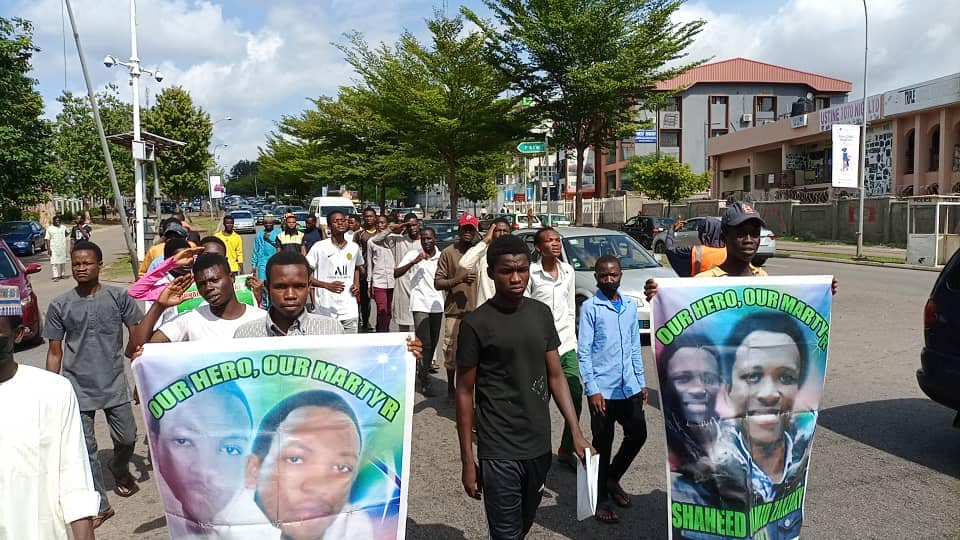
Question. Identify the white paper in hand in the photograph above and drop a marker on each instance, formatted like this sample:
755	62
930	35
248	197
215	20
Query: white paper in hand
587	486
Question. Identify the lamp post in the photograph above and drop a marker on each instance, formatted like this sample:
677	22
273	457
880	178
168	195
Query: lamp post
139	152
863	140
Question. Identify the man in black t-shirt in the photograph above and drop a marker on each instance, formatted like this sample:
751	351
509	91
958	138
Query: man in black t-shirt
508	351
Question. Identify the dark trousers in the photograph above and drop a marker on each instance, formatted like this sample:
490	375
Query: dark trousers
427	327
384	300
123	431
512	491
629	414
364	306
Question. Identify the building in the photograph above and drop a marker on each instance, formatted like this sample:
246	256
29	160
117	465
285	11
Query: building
912	142
715	99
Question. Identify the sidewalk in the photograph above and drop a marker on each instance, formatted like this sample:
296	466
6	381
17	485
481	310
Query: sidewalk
841	249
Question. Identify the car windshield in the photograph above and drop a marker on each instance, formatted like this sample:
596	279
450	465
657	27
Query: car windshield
242	215
14	227
663	222
7	267
345	210
445	231
301	216
583	251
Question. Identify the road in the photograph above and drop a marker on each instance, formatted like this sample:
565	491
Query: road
886	462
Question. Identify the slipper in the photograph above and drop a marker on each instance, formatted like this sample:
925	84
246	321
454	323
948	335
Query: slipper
569	460
606	515
103	516
619	496
126	485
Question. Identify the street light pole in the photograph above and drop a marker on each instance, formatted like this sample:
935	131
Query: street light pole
863	139
138	187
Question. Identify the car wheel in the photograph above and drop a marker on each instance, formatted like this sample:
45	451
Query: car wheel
760	260
658	247
32	250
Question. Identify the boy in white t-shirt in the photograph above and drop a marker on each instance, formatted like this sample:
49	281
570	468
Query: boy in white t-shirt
336	264
220	318
426	302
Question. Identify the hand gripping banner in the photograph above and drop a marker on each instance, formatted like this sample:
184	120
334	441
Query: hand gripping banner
305	438
741	363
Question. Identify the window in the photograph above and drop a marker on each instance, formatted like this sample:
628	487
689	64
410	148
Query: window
611	180
908	158
934	150
746	182
584	251
7	268
717	132
610	153
718	115
670	139
672	105
821	102
718	100
766	104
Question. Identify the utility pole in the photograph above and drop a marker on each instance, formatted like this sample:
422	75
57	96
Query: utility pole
863	140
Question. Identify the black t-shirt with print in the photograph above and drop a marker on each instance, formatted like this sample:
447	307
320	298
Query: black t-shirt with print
507	348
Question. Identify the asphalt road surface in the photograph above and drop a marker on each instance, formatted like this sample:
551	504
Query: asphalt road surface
885	464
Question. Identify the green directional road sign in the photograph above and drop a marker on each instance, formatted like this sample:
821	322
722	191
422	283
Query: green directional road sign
531	147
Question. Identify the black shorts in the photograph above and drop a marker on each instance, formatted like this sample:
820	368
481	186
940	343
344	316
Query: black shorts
512	491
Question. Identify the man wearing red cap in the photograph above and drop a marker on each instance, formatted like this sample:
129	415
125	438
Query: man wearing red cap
461	298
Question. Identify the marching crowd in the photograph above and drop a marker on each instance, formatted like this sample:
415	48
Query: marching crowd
503	321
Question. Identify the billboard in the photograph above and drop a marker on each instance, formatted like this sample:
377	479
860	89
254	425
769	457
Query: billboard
589	171
217	190
846	156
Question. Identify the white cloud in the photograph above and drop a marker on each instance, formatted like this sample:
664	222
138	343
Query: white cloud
910	41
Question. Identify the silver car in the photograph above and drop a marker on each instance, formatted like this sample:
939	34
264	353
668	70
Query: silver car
582	246
243	221
687	237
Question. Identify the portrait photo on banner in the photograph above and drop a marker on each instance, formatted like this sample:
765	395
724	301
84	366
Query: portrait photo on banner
741	365
306	438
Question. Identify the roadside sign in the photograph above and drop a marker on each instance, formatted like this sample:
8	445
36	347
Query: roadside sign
645	136
531	147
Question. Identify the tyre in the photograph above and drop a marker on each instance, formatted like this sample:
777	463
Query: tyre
658	247
760	260
32	250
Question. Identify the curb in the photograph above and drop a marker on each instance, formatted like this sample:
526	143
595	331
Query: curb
781	255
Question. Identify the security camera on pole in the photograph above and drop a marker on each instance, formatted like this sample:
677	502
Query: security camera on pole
139	151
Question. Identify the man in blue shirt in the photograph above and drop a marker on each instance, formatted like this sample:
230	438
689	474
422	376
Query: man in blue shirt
612	371
264	247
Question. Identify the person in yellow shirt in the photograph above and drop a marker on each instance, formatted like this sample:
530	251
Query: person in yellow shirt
234	243
172	229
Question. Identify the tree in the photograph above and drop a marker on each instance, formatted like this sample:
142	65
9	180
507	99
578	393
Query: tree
81	168
183	171
666	178
444	101
243	168
25	170
587	64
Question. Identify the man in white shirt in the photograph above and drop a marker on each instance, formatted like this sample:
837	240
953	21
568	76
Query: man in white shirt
552	282
426	302
475	259
46	485
336	262
219	318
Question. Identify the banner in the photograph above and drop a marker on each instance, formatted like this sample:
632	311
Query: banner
302	437
216	187
846	156
741	364
589	177
192	299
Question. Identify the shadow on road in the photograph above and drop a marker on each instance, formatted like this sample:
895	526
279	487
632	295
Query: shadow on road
151	525
432	531
646	518
917	430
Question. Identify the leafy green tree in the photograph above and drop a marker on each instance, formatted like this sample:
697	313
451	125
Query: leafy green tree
25	170
81	169
445	100
587	64
665	178
183	171
243	168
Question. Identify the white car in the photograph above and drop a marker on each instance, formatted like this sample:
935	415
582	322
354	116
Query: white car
243	221
582	246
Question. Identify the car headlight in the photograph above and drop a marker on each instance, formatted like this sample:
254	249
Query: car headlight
22	243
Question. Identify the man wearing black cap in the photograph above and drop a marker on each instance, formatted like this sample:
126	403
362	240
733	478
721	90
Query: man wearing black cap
740	228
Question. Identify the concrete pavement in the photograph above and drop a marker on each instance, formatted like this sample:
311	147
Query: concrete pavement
885	463
841	249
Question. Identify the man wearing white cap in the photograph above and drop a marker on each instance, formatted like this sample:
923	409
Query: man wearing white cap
45	482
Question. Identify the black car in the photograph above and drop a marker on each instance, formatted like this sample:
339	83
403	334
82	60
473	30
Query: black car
446	231
644	228
939	373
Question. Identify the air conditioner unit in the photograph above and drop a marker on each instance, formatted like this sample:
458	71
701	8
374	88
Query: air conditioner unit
747	118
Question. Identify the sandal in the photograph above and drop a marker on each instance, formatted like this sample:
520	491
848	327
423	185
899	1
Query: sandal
619	496
606	515
125	484
103	516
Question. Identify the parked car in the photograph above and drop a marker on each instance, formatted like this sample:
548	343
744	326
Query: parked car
243	221
168	207
302	220
446	231
15	273
555	220
687	237
517	221
939	373
23	237
582	246
644	229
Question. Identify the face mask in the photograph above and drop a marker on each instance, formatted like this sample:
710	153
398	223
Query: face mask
609	289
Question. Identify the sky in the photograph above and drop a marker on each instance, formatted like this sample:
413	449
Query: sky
257	60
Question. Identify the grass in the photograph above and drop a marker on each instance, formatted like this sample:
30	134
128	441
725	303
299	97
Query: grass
204	222
118	270
843	256
808	240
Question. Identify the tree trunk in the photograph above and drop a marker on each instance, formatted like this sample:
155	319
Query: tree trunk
578	201
454	188
382	198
